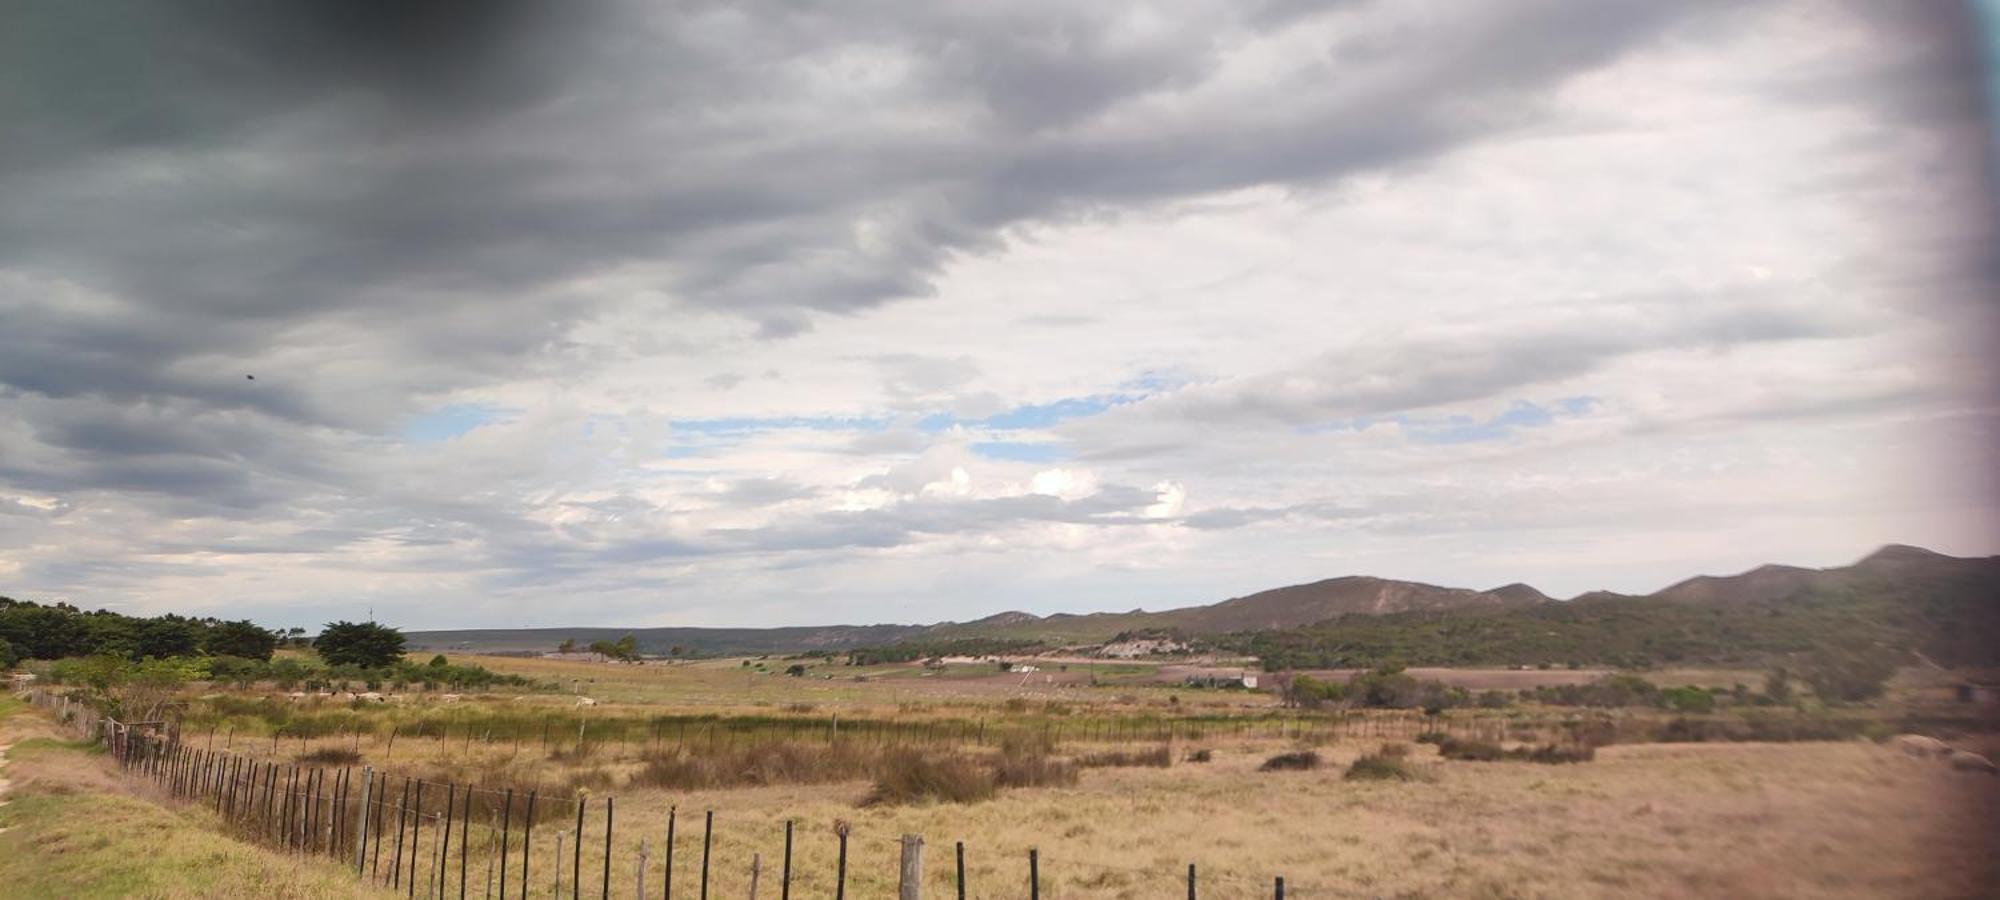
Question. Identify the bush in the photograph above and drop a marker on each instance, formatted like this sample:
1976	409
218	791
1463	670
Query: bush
1470	750
1487	751
1763	725
1200	756
911	776
1688	699
1432	737
760	763
1393	750
1380	767
1851	674
1553	754
330	756
1029	764
1158	757
1302	760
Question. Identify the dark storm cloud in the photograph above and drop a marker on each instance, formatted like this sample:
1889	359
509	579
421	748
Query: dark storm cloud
413	174
368	206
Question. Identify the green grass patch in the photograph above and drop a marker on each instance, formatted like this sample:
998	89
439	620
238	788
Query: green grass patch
102	845
27	748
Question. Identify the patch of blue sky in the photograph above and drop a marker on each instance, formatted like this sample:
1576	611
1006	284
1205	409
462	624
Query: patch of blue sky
450	421
748	425
1021	451
1032	416
1521	414
1157	382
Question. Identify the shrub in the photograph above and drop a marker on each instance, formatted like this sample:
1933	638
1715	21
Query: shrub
1432	737
1302	760
1200	756
911	776
1553	754
1393	750
1487	751
1850	674
330	756
1379	767
1470	750
1688	699
1158	757
1027	764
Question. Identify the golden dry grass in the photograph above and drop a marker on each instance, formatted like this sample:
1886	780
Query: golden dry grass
1739	820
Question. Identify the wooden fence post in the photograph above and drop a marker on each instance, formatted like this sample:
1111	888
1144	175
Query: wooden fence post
361	846
785	876
639	884
667	885
607	847
444	850
396	859
416	831
910	875
1190	881
840	827
1281	887
707	834
464	840
756	869
559	843
576	854
527	843
959	853
506	819
1034	874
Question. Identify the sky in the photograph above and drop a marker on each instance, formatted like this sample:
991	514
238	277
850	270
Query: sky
765	313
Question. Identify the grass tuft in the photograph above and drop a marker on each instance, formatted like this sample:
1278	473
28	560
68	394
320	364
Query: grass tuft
1159	757
1302	760
912	776
1380	767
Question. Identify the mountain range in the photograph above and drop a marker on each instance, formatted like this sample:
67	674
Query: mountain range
1894	570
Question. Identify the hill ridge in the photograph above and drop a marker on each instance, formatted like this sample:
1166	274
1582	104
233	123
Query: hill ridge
1289	606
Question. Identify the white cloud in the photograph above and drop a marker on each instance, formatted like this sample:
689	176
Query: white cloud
893	323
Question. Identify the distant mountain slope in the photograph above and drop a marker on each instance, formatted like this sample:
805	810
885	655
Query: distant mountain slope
1916	590
1760	584
1901	598
1304	604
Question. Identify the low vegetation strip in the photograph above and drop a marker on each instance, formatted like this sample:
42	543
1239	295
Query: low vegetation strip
68	830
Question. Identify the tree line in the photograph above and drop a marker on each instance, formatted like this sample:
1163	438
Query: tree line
31	630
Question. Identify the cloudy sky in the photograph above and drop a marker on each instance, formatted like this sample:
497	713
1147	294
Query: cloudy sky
785	313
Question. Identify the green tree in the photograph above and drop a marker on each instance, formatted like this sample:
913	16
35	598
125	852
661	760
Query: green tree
241	639
439	662
364	644
167	637
8	656
1778	685
1849	674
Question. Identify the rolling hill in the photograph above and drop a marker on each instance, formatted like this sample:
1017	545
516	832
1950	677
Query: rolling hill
1914	588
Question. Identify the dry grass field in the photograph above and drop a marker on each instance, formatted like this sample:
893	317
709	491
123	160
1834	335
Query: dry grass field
1824	819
